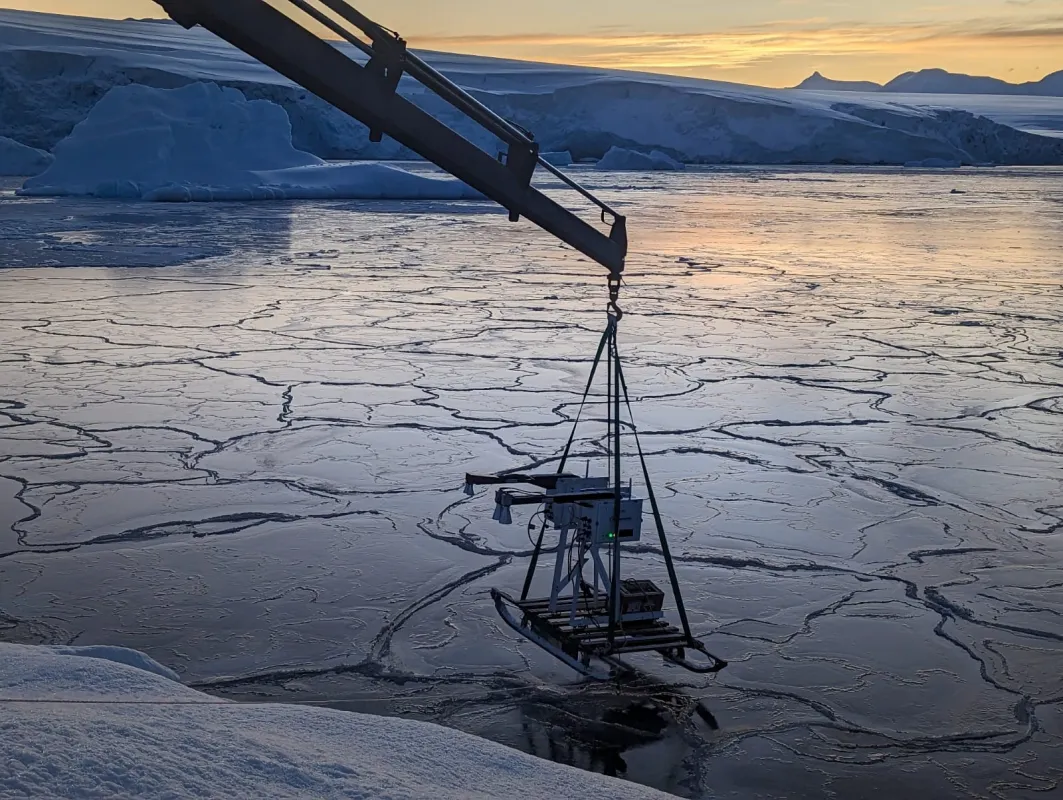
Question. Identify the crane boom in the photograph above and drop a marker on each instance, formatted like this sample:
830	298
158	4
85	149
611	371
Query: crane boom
368	92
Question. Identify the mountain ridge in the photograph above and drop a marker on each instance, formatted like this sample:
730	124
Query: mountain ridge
940	81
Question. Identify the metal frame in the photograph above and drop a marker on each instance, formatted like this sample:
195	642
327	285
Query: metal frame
369	94
571	629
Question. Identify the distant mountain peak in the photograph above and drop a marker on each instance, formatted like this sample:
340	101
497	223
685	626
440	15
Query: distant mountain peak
940	81
935	80
817	81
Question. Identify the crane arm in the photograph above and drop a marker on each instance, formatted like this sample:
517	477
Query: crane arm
369	94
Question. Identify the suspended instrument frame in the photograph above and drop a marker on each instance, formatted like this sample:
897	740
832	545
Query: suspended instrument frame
590	628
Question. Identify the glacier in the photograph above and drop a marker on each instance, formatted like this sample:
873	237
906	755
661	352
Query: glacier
110	722
202	142
55	69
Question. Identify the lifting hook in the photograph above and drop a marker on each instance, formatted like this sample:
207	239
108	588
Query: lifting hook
614	293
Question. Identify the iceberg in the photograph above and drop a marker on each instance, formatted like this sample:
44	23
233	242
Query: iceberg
202	142
561	158
934	163
619	158
19	160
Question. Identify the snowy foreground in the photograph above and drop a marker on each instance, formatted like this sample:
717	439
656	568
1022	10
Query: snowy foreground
109	722
56	68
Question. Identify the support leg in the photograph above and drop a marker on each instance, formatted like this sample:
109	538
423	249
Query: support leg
559	569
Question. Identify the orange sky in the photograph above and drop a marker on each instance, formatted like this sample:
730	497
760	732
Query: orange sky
768	42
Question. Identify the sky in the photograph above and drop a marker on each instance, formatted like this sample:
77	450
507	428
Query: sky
766	42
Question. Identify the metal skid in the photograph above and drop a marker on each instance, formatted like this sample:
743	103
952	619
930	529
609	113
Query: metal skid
588	621
580	646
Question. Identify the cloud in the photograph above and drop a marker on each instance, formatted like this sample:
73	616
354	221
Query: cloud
740	48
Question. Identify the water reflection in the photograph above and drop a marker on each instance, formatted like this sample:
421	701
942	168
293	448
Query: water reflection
642	731
880	219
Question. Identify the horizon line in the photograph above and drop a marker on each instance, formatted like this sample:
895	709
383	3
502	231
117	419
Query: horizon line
672	54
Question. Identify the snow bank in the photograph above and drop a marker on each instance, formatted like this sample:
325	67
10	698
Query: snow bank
30	671
18	159
119	655
202	142
144	735
54	69
620	159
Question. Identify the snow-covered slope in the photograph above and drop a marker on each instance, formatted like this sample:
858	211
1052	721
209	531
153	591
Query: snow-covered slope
204	142
1038	115
107	722
18	159
55	69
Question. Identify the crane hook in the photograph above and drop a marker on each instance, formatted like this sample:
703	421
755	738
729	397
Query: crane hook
614	293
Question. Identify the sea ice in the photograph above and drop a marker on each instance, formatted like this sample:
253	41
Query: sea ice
202	142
